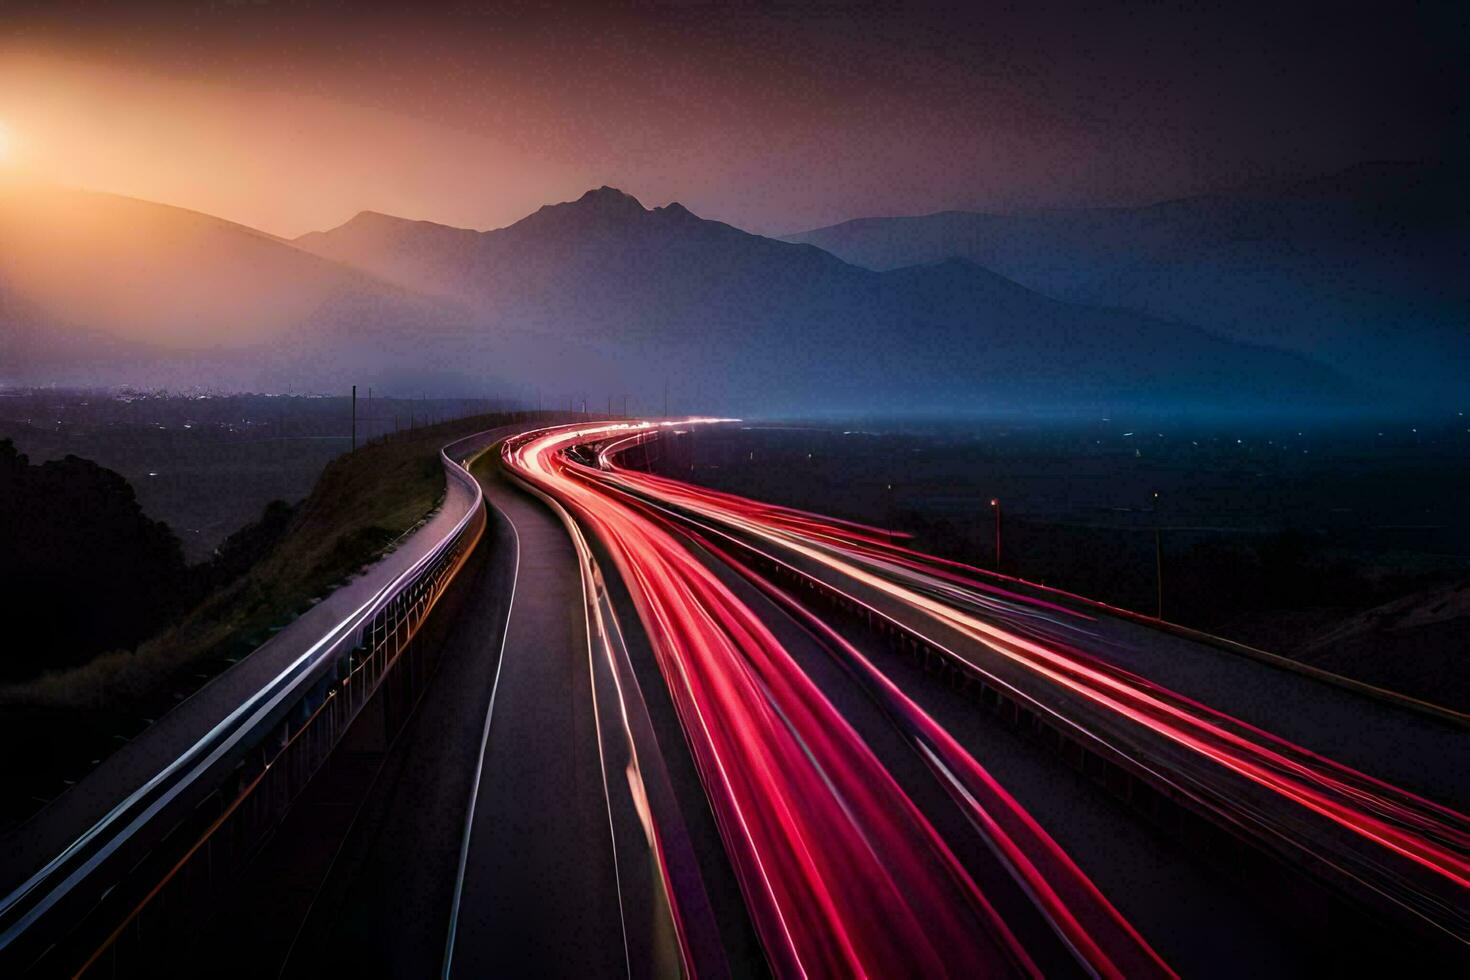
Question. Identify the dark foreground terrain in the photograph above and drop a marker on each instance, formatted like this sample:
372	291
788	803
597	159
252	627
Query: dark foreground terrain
206	464
123	634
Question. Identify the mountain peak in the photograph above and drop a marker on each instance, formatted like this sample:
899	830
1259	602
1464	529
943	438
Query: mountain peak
605	207
362	218
610	200
362	221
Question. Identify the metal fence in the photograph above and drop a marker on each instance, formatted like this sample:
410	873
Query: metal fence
160	857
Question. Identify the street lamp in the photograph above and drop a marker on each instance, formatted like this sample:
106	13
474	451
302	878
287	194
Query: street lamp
1158	557
995	506
888	518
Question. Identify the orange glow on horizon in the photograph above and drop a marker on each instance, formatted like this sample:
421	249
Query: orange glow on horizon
273	158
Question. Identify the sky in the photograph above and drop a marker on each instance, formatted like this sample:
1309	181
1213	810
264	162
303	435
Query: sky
292	117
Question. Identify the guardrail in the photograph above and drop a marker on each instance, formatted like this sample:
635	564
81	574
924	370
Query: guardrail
188	829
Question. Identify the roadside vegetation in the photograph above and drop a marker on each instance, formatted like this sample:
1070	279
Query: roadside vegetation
261	578
80	563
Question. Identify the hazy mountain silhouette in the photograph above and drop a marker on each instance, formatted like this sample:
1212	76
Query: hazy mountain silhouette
754	322
601	296
1362	269
96	286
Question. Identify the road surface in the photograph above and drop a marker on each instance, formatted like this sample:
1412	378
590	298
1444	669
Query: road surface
673	730
824	828
489	812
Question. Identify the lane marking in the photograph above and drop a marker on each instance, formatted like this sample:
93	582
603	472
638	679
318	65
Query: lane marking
586	561
469	823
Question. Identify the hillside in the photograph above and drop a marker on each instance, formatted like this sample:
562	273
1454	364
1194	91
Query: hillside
1416	644
1357	269
361	504
594	298
97	287
754	323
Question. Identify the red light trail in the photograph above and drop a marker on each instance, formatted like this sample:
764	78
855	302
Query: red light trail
824	840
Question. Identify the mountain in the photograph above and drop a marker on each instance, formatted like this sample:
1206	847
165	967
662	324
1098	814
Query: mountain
1415	644
419	255
96	286
584	266
595	298
751	322
1362	270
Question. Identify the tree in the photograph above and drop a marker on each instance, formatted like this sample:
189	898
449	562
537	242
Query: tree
82	569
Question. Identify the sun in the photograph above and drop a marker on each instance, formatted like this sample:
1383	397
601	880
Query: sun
4	142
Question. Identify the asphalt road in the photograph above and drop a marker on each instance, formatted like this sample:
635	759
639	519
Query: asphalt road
538	894
1151	698
1204	923
486	839
1419	753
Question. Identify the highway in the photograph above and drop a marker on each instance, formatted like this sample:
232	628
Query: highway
673	731
825	830
501	772
498	772
143	756
538	876
106	817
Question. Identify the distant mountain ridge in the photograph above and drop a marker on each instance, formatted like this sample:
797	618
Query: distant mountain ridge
601	296
162	275
536	253
1361	269
98	288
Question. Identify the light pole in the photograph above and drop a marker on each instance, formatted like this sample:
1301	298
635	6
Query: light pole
1158	557
888	520
995	506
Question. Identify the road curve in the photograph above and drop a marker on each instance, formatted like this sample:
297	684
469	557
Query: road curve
822	835
103	813
778	761
537	888
487	824
134	763
669	733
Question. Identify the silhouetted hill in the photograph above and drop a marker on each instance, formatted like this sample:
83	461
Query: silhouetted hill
751	322
79	562
97	286
592	298
418	255
604	247
1416	644
1362	269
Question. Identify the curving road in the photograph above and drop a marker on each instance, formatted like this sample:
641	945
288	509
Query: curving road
826	832
674	731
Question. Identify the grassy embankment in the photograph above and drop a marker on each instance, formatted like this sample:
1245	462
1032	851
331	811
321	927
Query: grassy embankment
361	504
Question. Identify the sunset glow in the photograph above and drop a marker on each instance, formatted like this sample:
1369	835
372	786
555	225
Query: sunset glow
287	121
417	422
